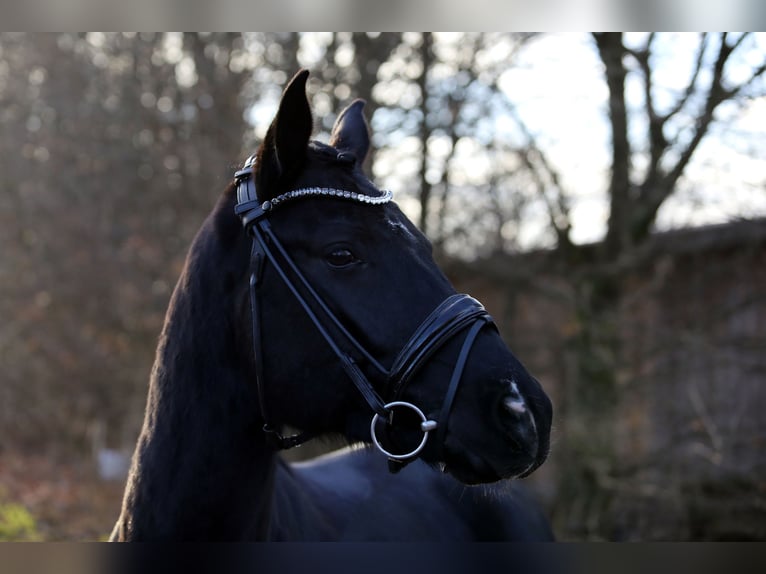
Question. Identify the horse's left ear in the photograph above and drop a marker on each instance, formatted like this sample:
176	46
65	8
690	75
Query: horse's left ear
350	132
284	147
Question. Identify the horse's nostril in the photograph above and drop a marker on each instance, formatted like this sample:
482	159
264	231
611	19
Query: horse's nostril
518	421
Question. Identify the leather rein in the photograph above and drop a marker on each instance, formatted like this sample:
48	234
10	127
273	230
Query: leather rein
455	314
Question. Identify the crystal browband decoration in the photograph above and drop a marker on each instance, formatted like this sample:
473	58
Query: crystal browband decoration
328	192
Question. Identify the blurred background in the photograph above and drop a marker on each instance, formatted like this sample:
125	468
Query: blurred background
603	195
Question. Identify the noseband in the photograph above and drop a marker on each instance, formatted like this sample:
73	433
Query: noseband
455	314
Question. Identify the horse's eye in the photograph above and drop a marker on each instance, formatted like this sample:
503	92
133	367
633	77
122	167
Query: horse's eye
341	257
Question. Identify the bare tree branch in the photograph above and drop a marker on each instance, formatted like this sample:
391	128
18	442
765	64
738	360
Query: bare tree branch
657	142
558	211
540	168
739	41
611	49
446	186
657	189
426	57
690	88
716	95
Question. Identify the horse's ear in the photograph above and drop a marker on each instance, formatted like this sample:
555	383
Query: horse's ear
284	147
350	132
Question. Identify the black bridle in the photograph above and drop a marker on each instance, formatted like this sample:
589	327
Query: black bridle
453	315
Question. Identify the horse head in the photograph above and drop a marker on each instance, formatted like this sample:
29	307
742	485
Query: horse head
353	314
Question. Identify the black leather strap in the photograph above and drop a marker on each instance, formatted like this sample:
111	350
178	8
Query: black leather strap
262	234
248	208
316	298
395	466
258	261
454	314
457	374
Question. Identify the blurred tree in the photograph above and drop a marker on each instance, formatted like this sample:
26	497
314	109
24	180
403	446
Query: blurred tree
455	169
646	166
115	148
675	130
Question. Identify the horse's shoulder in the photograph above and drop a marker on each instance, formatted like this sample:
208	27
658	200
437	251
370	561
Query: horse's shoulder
346	474
365	501
354	489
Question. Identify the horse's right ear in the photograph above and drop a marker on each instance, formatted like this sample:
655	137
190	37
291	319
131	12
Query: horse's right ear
284	148
351	133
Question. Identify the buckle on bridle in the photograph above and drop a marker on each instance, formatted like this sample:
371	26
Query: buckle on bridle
285	442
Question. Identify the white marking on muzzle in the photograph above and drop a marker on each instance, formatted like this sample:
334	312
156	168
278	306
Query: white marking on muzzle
515	402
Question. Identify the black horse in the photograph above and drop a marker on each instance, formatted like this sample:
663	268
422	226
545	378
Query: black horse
327	301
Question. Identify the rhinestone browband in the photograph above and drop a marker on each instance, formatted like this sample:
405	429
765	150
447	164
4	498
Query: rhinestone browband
250	209
327	192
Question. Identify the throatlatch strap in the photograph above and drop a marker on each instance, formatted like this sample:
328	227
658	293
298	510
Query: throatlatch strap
258	260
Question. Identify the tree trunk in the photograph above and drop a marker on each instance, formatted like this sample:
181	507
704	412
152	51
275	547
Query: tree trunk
611	50
426	57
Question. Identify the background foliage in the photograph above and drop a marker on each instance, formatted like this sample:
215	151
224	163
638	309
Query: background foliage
115	146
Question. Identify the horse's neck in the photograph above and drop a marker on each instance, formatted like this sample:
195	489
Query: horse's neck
201	469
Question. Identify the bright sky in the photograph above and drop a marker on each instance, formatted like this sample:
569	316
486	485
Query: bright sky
562	99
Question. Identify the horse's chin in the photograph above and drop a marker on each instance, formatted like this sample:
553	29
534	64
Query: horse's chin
481	473
469	467
471	475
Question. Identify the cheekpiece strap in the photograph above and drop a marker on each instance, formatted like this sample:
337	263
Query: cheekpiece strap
252	213
248	208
